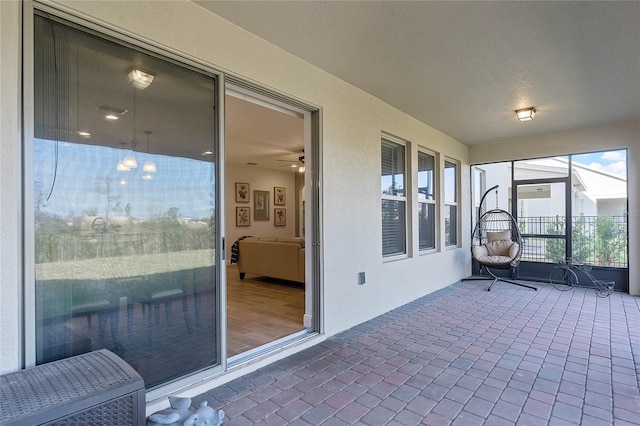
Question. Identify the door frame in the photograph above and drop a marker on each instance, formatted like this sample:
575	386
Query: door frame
313	259
540	271
313	179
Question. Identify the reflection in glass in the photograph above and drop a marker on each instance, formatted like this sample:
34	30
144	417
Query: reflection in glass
426	184
451	208
393	166
122	261
450	225
426	204
426	226
450	179
393	227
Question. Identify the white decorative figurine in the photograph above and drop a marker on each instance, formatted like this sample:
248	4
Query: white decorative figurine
182	413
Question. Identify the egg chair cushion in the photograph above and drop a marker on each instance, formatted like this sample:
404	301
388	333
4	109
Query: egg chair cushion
499	250
499	236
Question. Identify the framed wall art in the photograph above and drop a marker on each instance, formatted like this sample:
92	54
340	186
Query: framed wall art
279	217
242	192
279	196
260	205
243	216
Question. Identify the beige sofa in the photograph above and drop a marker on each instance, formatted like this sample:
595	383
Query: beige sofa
273	257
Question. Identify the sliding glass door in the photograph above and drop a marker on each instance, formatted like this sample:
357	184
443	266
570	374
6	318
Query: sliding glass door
124	191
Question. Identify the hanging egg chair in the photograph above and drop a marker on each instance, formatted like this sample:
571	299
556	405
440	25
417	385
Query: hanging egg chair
496	243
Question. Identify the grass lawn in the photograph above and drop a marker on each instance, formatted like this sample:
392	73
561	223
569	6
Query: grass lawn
125	266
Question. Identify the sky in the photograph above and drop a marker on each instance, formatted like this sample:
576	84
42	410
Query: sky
84	176
614	162
77	181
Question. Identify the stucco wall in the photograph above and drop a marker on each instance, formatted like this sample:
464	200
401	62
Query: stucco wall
585	140
9	185
352	123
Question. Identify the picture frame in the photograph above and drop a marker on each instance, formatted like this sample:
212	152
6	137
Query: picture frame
243	216
279	196
242	192
260	205
279	217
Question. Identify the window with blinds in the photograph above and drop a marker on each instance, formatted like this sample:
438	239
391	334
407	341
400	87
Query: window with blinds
426	201
450	203
394	199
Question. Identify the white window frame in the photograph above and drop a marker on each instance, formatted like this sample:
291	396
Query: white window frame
434	201
402	199
447	203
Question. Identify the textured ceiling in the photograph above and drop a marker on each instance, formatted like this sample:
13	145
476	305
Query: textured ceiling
464	67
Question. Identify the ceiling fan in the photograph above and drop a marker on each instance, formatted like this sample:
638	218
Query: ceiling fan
299	163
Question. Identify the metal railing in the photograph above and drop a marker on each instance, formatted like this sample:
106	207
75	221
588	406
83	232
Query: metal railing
598	240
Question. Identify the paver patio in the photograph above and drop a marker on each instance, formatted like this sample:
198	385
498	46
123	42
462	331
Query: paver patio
460	356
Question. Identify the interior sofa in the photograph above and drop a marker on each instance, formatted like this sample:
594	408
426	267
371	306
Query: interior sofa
281	258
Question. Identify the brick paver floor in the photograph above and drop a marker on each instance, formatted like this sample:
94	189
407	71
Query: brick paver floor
460	356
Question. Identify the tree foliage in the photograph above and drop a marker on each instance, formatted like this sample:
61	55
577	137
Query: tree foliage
609	241
556	248
580	244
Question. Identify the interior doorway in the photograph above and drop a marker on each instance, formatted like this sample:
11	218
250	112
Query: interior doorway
268	286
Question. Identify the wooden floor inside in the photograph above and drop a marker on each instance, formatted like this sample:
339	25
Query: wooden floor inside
261	310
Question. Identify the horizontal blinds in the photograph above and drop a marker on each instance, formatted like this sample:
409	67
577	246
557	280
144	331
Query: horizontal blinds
393	227
393	168
393	210
426	226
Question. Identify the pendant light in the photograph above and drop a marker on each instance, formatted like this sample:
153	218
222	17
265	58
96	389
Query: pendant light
138	80
130	161
149	166
120	166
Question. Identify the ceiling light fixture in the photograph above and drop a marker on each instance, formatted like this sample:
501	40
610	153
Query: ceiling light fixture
140	79
112	113
526	114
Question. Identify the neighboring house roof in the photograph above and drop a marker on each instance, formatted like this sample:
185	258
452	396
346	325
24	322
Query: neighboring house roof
597	184
602	185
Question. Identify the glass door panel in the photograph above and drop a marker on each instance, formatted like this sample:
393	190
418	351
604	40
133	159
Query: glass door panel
542	221
124	196
541	216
